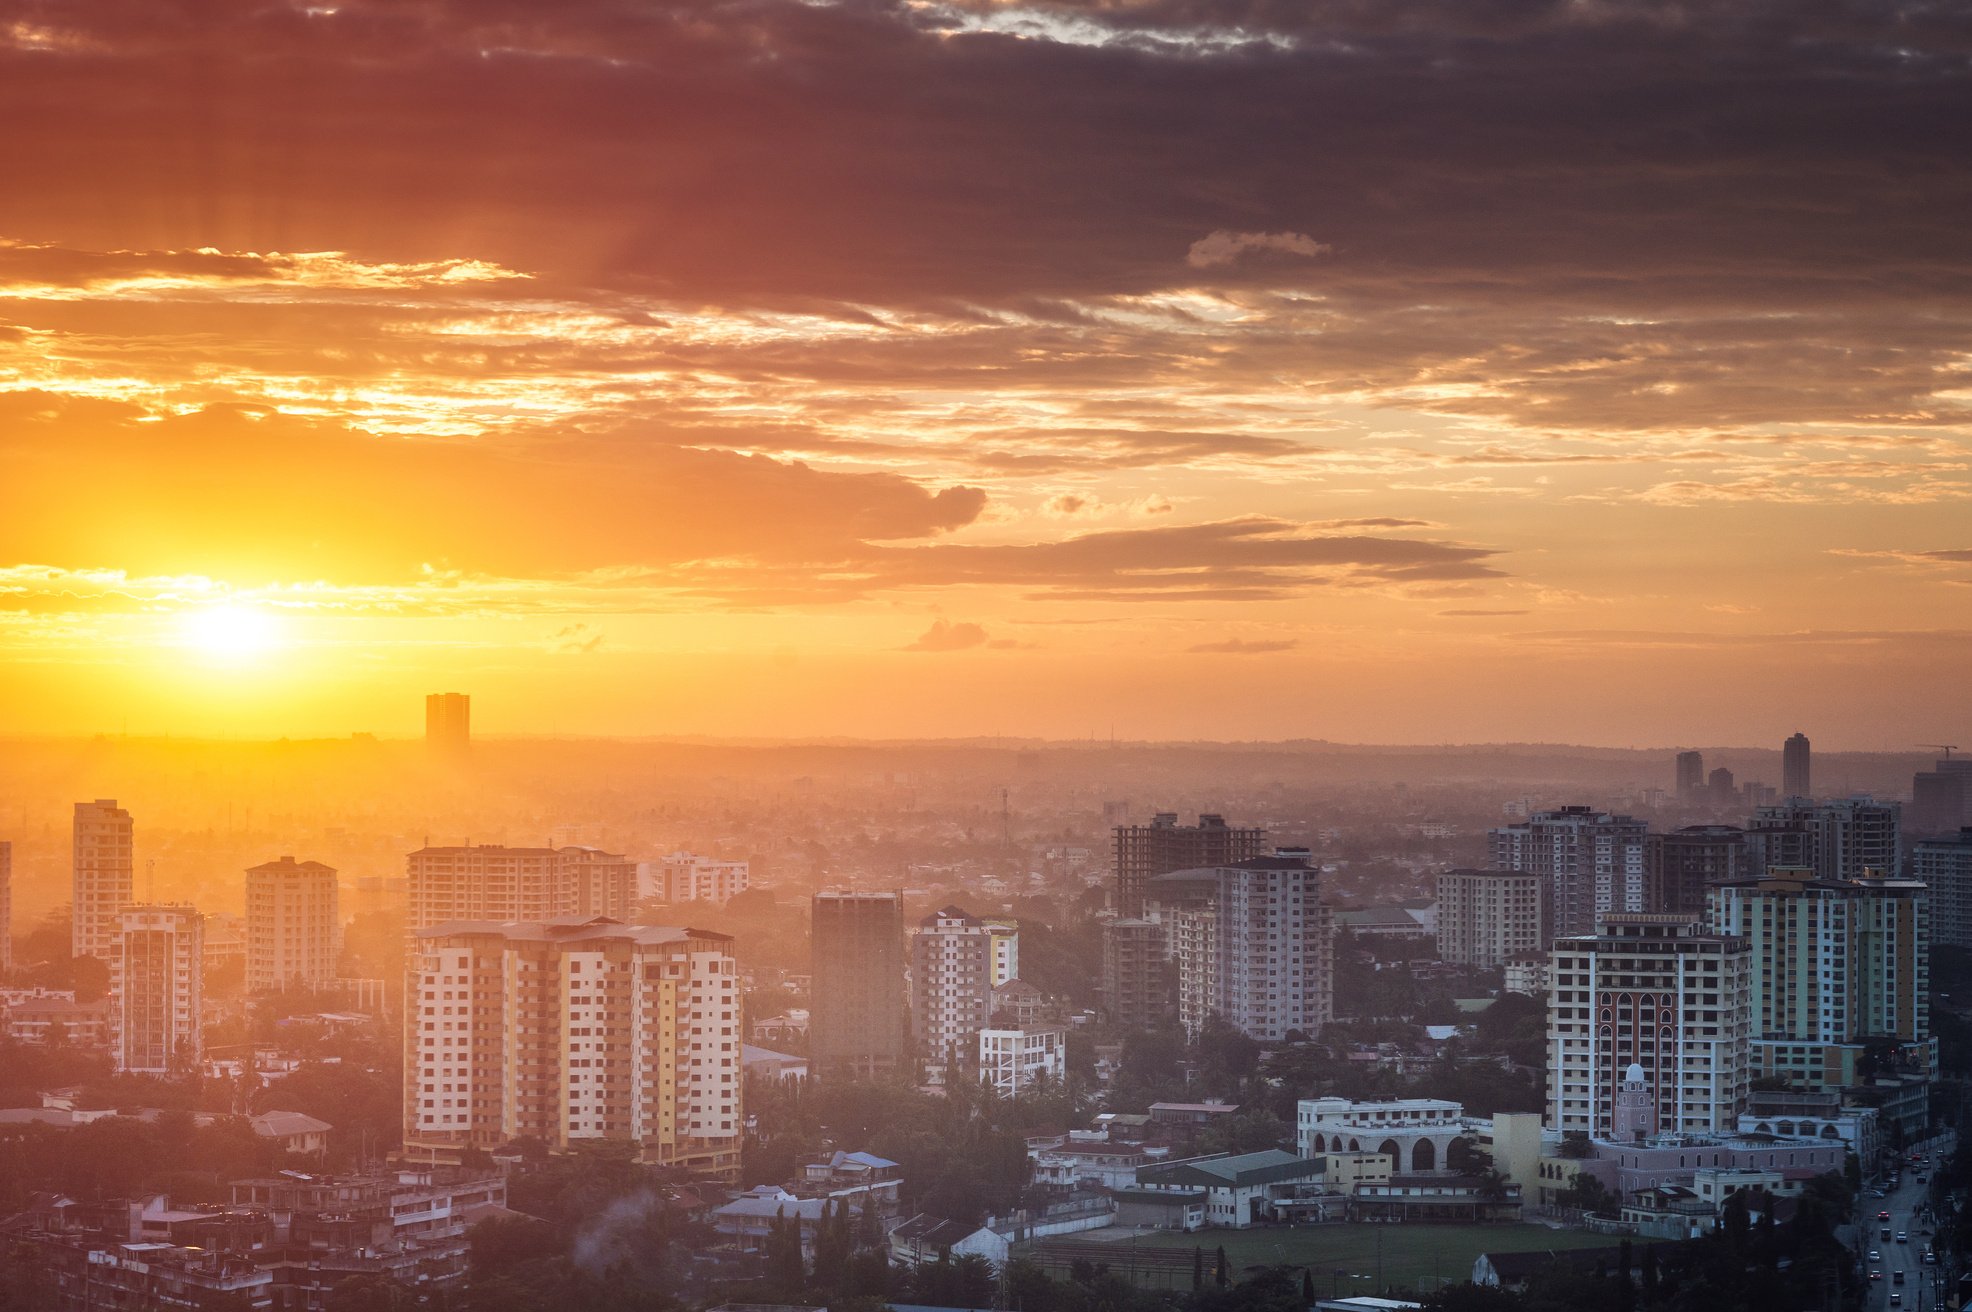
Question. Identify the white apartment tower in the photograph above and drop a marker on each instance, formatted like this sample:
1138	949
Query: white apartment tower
951	986
518	883
1649	991
688	877
1488	917
103	878
575	1031
1256	950
1591	862
293	924
156	991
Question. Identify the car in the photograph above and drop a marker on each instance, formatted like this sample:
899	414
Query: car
1875	1256
1902	1238
1883	1216
1923	1179
1884	1234
1930	1259
1875	1275
1896	1299
1897	1278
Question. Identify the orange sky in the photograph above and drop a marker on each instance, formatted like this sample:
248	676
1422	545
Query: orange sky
1207	368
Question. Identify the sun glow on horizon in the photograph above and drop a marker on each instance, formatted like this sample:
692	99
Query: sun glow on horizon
231	633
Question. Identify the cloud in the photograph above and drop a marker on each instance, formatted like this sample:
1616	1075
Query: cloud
1477	614
943	635
1223	247
1243	646
575	640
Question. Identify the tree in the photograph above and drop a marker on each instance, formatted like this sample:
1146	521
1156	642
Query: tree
1222	1274
785	1273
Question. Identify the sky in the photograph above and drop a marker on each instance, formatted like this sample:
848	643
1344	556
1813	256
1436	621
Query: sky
1371	370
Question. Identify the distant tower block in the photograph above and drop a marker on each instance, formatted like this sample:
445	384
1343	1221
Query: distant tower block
1796	779
448	722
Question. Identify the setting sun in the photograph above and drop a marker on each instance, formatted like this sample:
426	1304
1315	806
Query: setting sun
231	633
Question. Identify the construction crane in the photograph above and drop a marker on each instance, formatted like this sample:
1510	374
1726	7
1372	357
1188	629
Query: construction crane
1946	748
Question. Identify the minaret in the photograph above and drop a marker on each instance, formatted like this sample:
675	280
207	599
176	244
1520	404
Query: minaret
1636	1108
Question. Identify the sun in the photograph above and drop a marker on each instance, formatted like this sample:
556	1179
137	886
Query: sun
231	633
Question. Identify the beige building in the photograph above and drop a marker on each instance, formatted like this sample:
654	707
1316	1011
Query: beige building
573	1031
518	883
103	876
155	989
688	877
293	924
1488	917
1649	995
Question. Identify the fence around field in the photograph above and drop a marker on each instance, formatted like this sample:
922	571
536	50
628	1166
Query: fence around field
1157	1266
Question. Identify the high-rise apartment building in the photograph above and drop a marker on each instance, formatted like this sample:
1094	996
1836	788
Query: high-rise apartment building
1681	865
448	722
951	987
1721	788
6	906
1137	975
1486	917
104	864
858	1014
1836	964
1944	866
1257	951
1655	992
1143	852
1591	863
688	877
156	988
518	883
293	924
1941	798
1839	840
571	1032
1796	772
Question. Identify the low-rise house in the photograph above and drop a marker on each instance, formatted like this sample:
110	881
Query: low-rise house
1080	1165
295	1132
858	1178
747	1220
770	1067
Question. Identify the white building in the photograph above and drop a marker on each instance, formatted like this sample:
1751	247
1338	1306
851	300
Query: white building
156	989
1012	1059
1256	949
1590	862
568	1031
688	877
951	986
1415	1133
102	883
1488	917
1655	992
293	924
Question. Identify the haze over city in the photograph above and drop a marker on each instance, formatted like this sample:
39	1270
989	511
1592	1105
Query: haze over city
993	655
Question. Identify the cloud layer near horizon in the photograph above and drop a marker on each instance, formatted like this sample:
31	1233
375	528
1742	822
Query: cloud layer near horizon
1398	321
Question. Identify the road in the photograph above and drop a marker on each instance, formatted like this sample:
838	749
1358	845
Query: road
1905	1205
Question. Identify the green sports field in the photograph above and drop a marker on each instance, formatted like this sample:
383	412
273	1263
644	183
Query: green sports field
1413	1256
